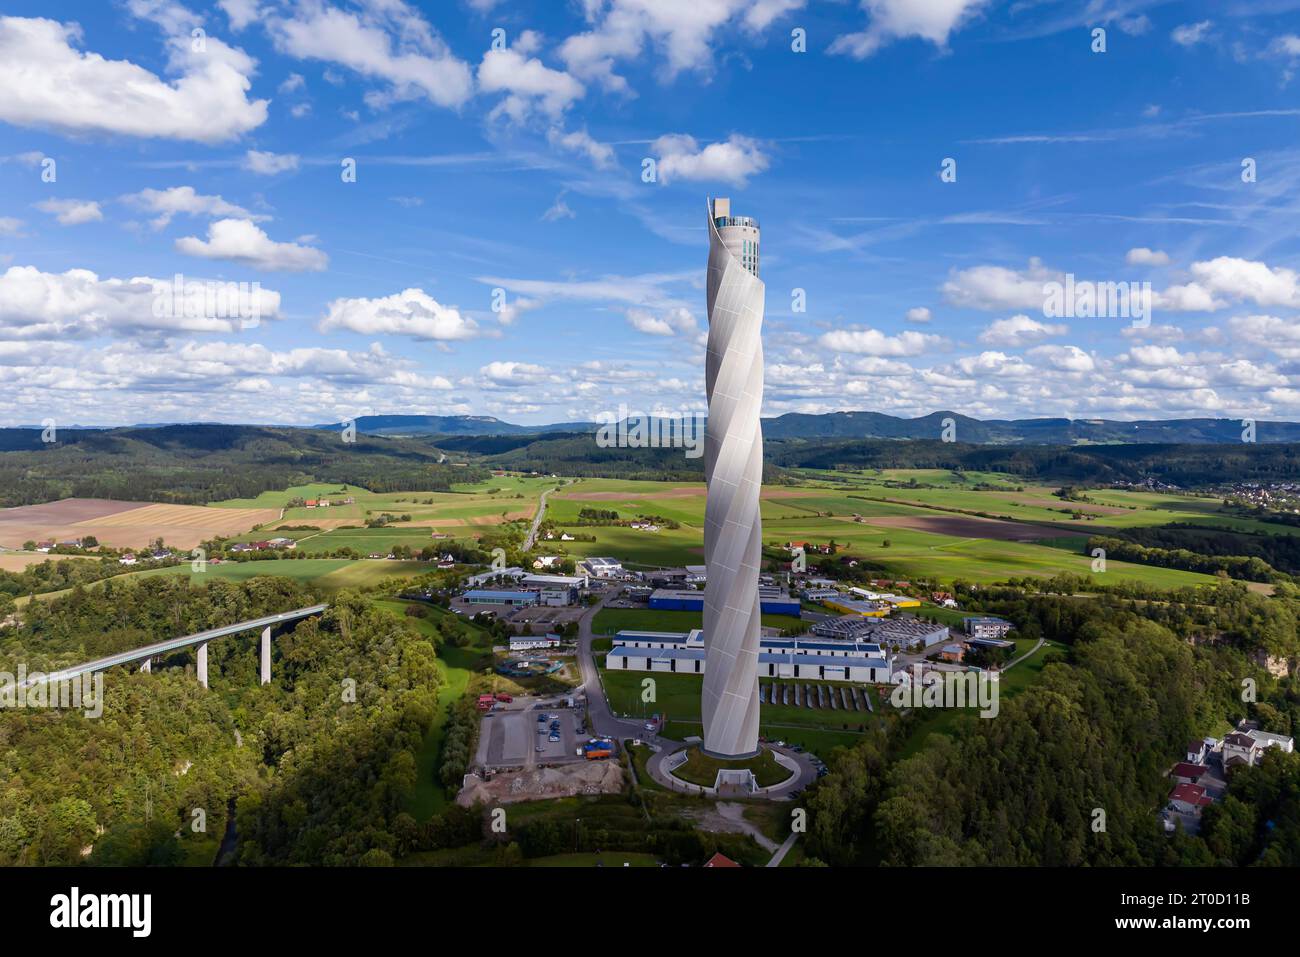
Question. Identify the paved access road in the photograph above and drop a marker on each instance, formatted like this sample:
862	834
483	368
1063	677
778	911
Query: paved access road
605	723
602	719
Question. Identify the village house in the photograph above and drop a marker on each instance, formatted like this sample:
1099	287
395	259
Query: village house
1189	799
1184	772
953	653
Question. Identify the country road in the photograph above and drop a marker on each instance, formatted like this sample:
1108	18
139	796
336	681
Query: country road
531	540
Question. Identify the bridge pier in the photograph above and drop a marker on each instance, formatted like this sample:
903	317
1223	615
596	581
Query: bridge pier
202	664
145	666
266	655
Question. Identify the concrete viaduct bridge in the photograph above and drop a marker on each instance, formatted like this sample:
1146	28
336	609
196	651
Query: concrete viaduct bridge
146	654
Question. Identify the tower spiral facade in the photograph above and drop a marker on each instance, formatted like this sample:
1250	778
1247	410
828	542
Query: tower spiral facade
733	475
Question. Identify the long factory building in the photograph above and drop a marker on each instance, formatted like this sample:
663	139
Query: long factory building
808	659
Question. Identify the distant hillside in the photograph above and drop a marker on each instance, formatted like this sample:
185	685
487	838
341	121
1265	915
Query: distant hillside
1187	465
1023	431
197	464
878	425
451	425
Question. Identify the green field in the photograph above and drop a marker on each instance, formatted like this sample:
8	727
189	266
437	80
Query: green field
457	513
907	522
332	574
899	529
677	699
611	620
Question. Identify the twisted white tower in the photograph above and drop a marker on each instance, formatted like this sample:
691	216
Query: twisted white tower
733	474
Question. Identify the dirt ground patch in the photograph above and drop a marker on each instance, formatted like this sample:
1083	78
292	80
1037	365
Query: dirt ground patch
18	561
728	818
126	524
968	526
592	777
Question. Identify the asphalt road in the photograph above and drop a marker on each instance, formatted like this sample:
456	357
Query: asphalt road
604	723
602	719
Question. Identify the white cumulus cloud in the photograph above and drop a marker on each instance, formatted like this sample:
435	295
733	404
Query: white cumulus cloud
411	312
72	212
241	241
732	161
45	81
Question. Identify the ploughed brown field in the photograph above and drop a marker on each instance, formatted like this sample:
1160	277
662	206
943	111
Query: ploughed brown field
126	524
18	561
968	526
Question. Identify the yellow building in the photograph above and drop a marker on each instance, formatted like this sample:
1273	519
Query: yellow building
851	606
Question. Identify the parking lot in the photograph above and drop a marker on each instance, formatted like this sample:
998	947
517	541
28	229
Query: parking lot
522	734
816	696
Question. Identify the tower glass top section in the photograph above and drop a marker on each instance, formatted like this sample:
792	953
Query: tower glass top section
740	234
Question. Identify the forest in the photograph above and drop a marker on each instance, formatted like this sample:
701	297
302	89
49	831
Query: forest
1245	567
318	765
1072	771
1279	550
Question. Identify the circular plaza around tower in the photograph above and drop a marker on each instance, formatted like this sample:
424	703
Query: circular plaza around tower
761	775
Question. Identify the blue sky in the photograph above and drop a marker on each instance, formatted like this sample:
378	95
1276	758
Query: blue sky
513	176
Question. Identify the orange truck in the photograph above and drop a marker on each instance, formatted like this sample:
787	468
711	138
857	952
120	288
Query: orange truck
598	750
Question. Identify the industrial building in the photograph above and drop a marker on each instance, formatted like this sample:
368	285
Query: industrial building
513	573
772	601
777	658
848	628
492	596
889	598
602	567
855	606
555	591
533	642
554	581
897	633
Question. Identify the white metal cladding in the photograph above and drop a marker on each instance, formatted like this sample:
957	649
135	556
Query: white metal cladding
733	473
